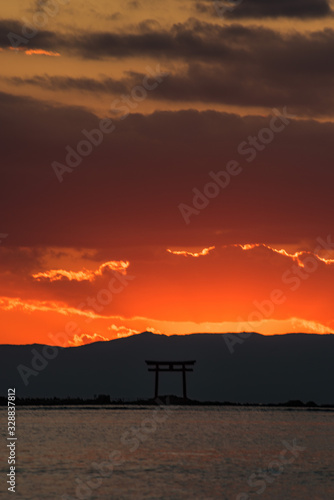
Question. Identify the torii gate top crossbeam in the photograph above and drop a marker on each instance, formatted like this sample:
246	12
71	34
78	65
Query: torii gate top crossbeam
170	362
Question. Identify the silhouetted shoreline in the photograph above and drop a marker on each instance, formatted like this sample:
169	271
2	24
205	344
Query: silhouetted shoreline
104	400
260	370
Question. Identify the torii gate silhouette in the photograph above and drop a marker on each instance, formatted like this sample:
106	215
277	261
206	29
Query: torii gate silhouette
170	366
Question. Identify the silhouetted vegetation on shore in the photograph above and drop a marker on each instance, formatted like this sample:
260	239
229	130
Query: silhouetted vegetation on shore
104	400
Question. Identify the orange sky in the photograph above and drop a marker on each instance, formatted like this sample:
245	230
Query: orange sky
165	168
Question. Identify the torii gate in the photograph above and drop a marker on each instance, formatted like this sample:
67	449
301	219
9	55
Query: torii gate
170	366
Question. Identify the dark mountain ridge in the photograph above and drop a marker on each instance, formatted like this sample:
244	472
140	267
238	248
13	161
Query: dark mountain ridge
252	369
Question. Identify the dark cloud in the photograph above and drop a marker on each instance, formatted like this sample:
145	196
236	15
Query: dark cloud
265	82
129	188
190	40
246	66
17	34
247	60
281	8
183	41
256	9
205	8
68	83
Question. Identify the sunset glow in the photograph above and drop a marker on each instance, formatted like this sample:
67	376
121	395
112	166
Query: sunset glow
185	253
85	275
295	256
127	111
35	52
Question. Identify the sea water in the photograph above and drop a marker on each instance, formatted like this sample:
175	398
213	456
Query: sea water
170	452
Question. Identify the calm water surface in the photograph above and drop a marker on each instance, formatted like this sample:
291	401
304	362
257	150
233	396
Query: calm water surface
182	453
